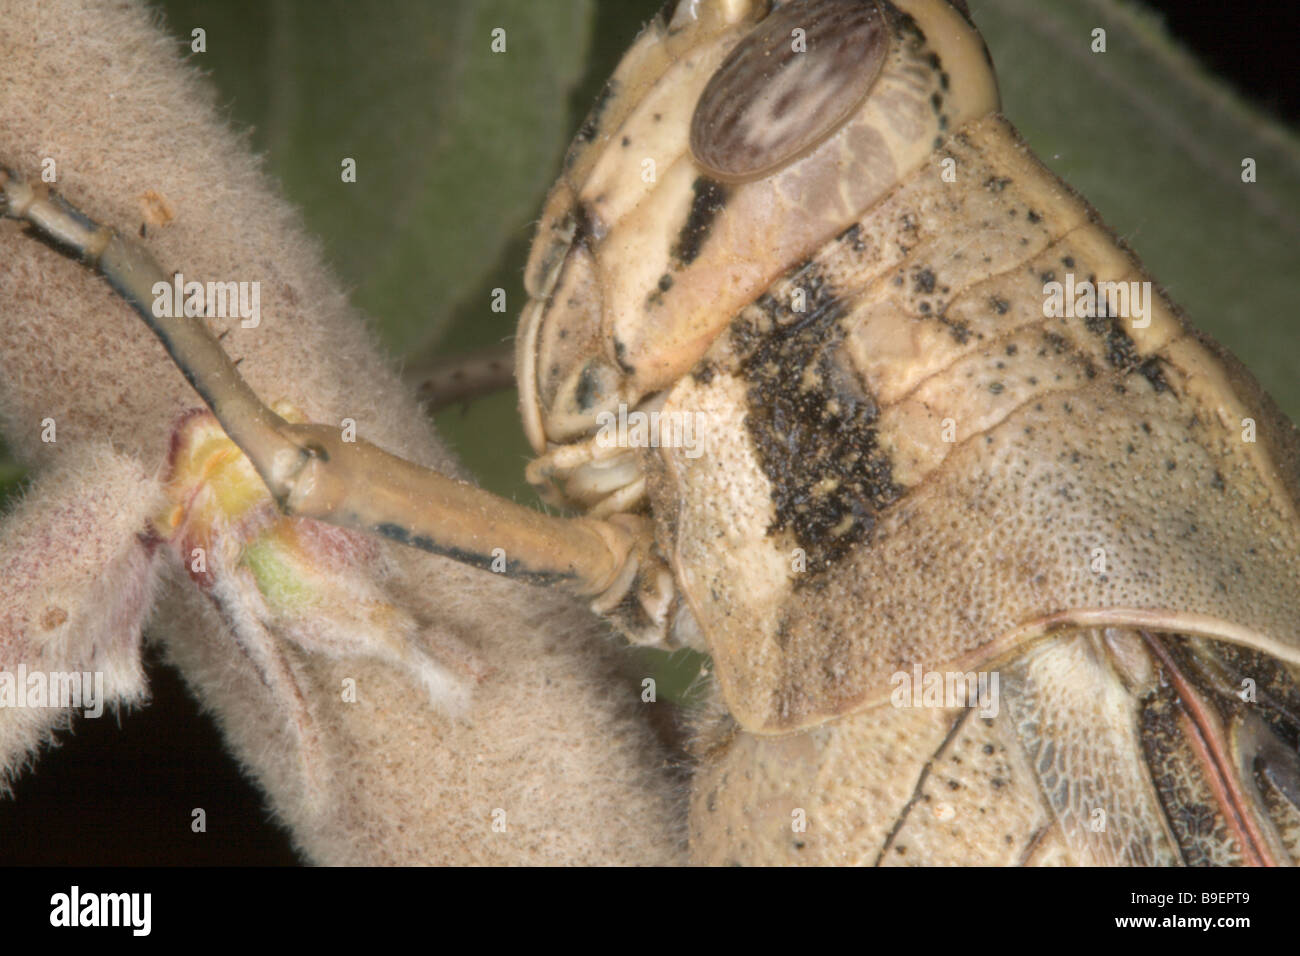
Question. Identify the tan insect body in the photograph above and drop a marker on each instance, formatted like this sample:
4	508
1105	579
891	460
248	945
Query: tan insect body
913	461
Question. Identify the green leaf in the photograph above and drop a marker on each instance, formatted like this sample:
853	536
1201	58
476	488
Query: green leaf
454	144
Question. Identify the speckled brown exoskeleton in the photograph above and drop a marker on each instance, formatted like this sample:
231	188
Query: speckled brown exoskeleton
797	354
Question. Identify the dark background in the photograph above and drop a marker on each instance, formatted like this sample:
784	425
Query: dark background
1251	45
99	798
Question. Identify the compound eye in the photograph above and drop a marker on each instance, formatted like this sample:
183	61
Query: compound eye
788	85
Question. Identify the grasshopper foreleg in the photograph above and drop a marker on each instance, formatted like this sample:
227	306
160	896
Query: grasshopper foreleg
312	472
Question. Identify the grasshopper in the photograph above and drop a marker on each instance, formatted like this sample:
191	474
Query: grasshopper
995	557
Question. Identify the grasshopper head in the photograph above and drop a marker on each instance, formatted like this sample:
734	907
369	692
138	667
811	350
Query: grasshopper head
734	139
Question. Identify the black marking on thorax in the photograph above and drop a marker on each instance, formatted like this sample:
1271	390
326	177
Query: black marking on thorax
1121	351
812	422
